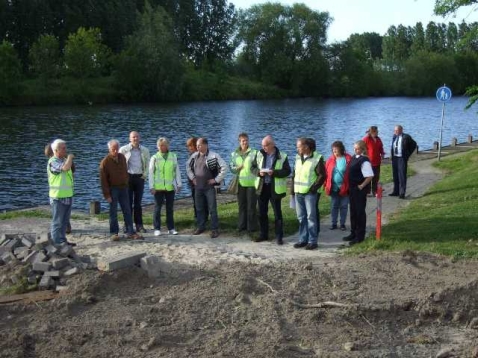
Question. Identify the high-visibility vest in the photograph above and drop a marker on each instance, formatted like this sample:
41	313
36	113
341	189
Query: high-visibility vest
305	174
61	185
165	171
280	184
246	178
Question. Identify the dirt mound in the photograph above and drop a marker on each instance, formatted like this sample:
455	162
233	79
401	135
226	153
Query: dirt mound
370	306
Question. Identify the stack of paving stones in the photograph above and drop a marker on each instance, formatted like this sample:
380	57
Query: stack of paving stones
49	265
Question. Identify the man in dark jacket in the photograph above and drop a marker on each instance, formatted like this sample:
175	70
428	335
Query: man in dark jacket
403	147
272	169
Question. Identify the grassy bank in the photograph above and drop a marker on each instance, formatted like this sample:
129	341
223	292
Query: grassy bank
443	221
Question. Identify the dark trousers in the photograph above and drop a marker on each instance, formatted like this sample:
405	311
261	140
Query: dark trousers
375	179
358	216
263	201
206	208
247	201
120	196
136	191
206	198
159	198
399	171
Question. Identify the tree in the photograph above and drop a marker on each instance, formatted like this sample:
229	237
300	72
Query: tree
369	44
85	55
10	73
418	39
279	40
150	68
45	57
448	7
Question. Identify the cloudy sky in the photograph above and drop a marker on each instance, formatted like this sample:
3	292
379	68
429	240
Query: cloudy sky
358	16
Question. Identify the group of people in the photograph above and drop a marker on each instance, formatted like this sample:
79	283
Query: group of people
261	180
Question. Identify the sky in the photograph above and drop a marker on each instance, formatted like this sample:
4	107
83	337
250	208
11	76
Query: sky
359	16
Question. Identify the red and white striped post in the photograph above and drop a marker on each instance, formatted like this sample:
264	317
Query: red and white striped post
378	228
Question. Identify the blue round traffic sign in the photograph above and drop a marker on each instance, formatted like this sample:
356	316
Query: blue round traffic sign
443	94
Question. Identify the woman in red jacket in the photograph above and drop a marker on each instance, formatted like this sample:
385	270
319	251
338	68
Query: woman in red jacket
337	183
375	153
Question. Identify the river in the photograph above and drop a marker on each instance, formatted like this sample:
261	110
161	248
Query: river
25	131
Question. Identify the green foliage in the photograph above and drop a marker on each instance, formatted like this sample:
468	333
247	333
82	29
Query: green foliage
45	57
443	220
151	68
447	7
10	73
85	55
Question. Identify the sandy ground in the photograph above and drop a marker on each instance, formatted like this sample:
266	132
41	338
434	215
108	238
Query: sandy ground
235	298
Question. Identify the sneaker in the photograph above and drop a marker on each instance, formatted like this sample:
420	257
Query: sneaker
173	232
115	237
298	245
333	227
343	228
157	232
311	246
198	231
135	237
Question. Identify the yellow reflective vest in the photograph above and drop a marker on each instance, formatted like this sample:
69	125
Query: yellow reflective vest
304	173
61	185
280	184
246	177
165	171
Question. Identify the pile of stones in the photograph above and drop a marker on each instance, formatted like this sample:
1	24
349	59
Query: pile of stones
46	264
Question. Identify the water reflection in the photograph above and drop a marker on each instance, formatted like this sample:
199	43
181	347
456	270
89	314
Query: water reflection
25	131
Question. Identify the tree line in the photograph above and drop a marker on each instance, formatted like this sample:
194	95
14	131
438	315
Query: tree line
74	51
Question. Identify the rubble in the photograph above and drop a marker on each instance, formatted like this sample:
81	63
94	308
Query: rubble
49	265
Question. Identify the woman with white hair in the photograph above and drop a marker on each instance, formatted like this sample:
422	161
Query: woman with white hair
164	182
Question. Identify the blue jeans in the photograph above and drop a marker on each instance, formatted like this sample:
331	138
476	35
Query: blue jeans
159	198
202	198
60	219
120	196
306	207
338	204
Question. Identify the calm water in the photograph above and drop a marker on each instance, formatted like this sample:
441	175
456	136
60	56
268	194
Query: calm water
25	131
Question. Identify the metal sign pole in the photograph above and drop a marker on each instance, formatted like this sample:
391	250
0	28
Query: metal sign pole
441	130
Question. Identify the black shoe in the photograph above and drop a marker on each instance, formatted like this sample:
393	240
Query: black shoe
214	234
402	196
349	237
354	242
70	243
333	227
393	194
299	245
198	231
259	239
280	241
311	246
141	229
343	228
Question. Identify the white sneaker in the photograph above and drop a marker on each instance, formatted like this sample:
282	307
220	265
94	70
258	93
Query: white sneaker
157	232
173	232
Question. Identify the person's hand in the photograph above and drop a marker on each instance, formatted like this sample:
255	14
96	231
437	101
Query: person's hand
239	168
71	156
194	182
178	189
211	182
152	191
109	200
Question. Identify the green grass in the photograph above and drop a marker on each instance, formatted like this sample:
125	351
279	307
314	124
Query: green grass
34	213
443	221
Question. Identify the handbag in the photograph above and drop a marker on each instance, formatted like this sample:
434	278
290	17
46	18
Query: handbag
233	185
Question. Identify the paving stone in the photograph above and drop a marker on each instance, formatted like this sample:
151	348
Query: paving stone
40	257
31	257
61	288
66	250
41	266
19	250
120	261
59	263
23	253
27	242
46	282
51	249
151	264
72	271
42	242
3	249
13	244
53	274
8	257
32	280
